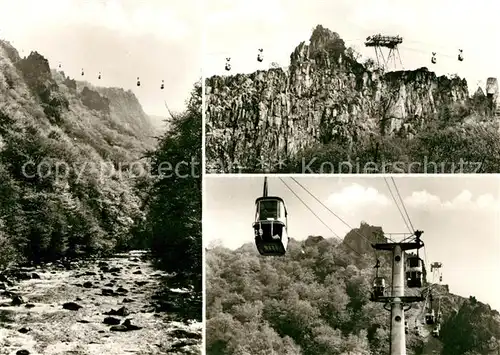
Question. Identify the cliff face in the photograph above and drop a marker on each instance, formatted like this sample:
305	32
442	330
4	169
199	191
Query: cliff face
323	96
65	101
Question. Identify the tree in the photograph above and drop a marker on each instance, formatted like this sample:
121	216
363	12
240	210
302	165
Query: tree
173	221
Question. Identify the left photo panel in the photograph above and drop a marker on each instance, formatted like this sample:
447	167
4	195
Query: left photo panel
100	177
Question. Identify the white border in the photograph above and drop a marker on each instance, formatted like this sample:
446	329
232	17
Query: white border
270	175
203	195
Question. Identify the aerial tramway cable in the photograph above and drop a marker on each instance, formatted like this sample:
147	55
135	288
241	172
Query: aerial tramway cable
314	213
397	205
339	218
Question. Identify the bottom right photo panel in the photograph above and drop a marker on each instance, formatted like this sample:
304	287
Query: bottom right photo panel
352	265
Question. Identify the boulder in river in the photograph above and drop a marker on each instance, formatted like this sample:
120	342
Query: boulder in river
72	306
87	284
126	326
122	312
111	321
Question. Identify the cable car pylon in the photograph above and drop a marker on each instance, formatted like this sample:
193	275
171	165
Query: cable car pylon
391	42
397	300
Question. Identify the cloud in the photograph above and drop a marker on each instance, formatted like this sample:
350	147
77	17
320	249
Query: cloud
422	198
355	196
463	201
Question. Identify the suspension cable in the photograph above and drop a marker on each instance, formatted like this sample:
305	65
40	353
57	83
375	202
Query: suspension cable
310	209
397	205
403	204
326	207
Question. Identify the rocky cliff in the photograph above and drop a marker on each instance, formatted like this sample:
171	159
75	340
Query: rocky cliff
325	95
62	97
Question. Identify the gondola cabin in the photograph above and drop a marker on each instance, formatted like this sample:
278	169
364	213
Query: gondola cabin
430	318
414	271
378	287
270	226
259	56
436	330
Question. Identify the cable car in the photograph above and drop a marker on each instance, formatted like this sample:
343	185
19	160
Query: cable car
83	72
162	85
59	65
260	58
430	317
378	287
460	55
99	77
270	224
440	278
435	331
414	271
407	329
138	82
228	65
433	59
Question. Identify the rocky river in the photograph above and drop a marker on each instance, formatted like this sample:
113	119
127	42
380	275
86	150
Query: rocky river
107	307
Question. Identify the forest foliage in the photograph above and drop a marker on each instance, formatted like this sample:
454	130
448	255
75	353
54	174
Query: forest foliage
74	178
315	300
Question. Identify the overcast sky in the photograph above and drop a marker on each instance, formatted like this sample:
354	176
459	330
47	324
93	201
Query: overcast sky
237	28
124	39
459	216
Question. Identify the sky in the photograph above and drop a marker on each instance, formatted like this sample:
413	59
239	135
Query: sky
459	216
237	28
154	40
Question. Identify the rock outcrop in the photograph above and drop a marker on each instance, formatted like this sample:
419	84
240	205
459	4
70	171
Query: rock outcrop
324	95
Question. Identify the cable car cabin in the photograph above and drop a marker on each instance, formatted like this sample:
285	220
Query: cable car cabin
271	236
460	55
407	329
83	72
138	82
436	330
99	77
260	58
162	85
433	59
378	287
414	271
430	318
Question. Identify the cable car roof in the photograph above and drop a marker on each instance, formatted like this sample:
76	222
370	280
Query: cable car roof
264	198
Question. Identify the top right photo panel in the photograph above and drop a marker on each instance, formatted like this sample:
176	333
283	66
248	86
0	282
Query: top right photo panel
351	86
